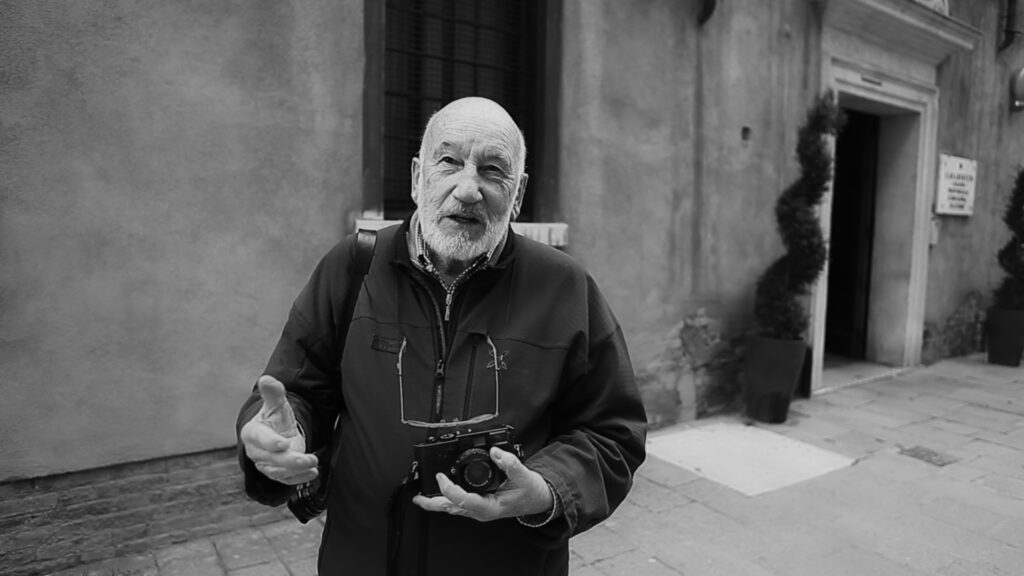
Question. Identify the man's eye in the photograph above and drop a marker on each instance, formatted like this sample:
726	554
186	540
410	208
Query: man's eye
447	160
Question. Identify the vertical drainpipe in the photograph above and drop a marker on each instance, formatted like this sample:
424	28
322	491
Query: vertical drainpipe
1009	26
706	9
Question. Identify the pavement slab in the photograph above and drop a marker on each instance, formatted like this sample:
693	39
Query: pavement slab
1013	439
855	444
243	548
133	565
857	561
635	563
292	540
271	568
747	458
653	496
194	558
665	474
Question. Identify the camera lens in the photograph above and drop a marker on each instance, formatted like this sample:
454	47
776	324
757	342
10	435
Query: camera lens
475	470
477	474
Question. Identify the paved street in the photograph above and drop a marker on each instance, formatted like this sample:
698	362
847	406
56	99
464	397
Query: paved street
936	488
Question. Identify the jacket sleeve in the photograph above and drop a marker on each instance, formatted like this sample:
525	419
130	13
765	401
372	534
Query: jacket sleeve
600	428
307	361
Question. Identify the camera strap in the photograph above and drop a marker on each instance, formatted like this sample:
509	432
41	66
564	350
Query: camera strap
401	500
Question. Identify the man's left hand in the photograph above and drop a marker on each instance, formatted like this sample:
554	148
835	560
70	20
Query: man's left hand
524	493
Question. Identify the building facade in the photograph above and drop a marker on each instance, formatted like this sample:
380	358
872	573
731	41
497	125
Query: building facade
171	171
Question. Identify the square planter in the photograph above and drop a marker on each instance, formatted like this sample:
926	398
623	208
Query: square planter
772	370
1005	329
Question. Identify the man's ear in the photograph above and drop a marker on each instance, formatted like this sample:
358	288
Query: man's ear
414	188
520	192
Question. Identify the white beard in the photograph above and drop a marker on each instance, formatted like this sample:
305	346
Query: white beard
458	246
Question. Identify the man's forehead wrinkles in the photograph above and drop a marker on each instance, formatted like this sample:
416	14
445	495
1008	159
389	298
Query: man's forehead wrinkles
491	150
490	135
445	145
450	134
488	127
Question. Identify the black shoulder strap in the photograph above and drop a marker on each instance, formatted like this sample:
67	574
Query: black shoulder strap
366	243
308	503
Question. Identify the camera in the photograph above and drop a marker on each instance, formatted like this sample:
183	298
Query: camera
464	457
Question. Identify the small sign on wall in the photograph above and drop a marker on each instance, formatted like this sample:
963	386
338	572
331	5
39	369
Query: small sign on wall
957	176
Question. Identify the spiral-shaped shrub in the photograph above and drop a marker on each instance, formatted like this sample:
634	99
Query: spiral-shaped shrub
1010	294
777	302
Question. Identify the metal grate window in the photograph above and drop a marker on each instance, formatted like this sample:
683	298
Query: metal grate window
440	50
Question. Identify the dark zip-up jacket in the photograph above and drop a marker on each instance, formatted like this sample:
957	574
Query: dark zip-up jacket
565	385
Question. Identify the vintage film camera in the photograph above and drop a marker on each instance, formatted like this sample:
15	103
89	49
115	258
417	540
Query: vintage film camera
465	458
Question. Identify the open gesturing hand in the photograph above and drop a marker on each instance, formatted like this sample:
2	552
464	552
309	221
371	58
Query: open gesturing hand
272	439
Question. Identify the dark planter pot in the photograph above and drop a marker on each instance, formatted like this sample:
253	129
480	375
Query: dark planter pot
1005	336
772	370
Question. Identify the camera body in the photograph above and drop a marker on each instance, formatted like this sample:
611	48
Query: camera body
464	457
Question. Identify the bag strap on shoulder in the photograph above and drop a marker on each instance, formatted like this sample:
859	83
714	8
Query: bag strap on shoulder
366	243
310	499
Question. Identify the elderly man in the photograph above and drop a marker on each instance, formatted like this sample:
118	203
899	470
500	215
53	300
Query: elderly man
497	357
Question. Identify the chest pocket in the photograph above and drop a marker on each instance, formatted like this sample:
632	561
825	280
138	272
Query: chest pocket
518	379
472	378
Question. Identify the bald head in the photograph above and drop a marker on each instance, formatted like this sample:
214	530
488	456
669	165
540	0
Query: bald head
475	115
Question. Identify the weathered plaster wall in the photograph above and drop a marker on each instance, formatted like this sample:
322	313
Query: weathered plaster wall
975	122
626	177
675	143
169	172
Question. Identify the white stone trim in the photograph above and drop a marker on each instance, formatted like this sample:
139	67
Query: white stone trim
906	29
883	53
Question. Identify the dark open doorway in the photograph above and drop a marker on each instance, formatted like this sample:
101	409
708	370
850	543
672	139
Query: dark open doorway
852	236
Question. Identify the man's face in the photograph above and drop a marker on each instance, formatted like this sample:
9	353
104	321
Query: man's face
467	185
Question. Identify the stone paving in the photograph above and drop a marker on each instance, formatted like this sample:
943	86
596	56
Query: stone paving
937	488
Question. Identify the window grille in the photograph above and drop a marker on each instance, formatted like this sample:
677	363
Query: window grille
439	50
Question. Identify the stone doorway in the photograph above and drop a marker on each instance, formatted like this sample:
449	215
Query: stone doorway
880	57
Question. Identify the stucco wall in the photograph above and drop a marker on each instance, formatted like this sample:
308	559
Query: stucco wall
626	157
169	171
975	122
676	141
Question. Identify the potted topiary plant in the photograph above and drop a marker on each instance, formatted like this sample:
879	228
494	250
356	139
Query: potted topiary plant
1006	316
775	352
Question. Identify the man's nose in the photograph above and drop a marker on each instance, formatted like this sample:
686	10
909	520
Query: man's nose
467	188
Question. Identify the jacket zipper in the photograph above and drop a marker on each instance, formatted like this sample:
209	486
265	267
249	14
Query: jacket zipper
469	381
449	291
439	366
449	297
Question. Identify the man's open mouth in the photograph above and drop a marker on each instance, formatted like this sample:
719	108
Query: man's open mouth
464	219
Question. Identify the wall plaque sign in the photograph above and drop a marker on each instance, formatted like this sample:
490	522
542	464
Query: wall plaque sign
955	196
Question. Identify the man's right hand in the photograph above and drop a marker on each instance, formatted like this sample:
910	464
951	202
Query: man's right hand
272	439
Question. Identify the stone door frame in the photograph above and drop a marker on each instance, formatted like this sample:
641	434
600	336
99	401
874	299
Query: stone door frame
881	56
